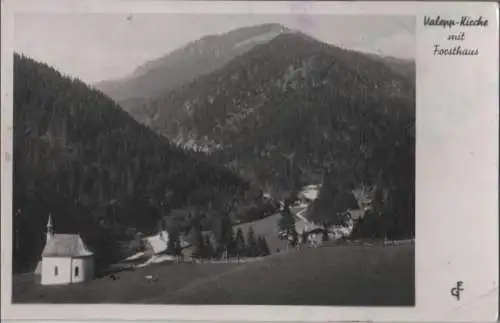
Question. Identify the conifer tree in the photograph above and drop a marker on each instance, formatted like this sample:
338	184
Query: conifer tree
263	247
286	223
198	241
240	243
208	250
252	246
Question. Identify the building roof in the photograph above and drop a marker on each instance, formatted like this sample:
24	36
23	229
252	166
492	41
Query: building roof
310	193
66	245
301	226
159	241
356	214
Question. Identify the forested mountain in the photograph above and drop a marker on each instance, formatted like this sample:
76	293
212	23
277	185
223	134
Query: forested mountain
295	111
185	64
99	172
289	110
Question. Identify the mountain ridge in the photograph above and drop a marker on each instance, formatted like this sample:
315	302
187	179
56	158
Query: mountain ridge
242	105
184	64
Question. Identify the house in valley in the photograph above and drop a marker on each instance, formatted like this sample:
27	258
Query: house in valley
65	259
309	193
157	244
313	233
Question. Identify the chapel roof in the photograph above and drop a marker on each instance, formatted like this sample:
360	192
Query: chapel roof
66	245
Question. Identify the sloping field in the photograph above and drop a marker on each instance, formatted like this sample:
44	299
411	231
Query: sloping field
350	275
129	287
341	275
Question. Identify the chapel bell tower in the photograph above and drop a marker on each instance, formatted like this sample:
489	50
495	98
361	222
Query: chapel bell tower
50	228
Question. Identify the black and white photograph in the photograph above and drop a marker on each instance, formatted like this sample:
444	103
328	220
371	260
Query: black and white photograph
235	157
228	159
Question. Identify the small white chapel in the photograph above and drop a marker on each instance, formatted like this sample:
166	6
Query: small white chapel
65	259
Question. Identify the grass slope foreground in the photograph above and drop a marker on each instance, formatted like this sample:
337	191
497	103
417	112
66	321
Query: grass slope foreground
100	173
351	275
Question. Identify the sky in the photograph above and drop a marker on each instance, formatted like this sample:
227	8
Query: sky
96	47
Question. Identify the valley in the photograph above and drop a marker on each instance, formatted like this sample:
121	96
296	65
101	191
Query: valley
256	166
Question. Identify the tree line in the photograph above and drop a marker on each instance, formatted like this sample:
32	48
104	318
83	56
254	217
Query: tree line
216	245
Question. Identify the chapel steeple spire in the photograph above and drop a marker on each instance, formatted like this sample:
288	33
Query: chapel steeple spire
50	228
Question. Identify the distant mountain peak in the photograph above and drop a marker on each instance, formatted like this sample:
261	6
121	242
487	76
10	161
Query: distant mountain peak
260	27
194	59
211	43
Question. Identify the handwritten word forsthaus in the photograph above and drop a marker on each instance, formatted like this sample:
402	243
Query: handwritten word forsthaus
455	51
464	21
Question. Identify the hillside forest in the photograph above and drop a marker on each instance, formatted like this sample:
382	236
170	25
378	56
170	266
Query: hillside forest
270	118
